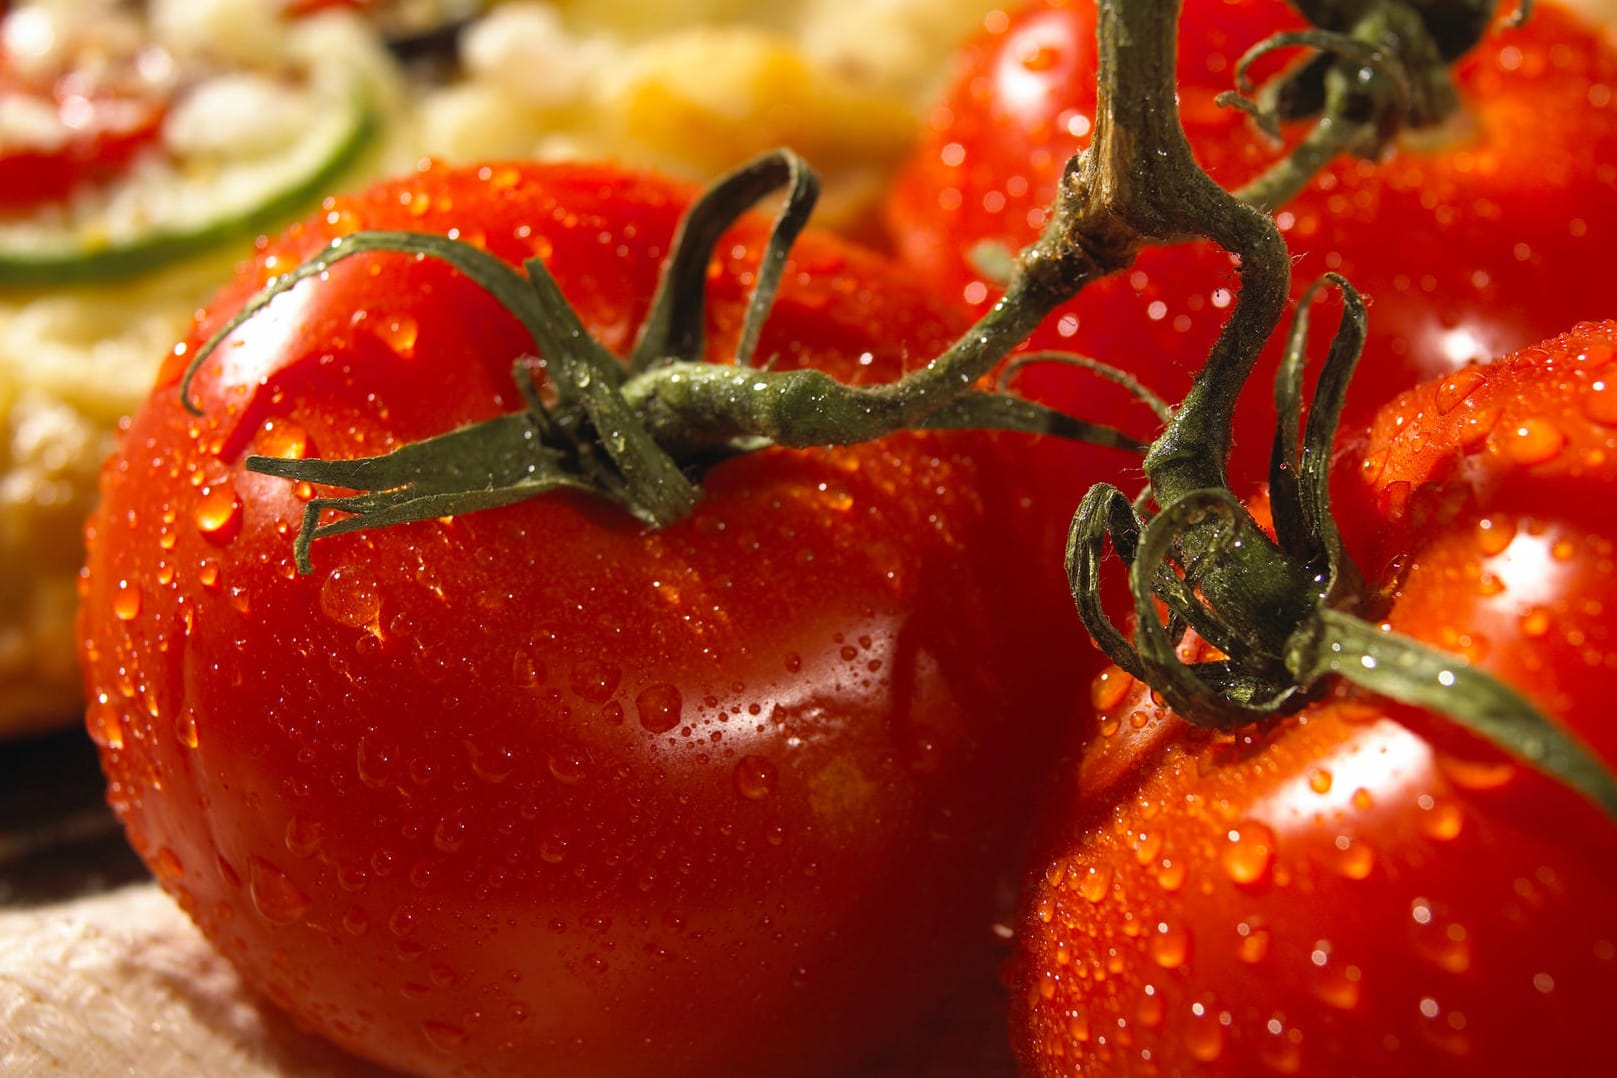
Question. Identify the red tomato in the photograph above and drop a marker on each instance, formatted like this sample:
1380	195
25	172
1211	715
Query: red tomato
1362	889
537	788
86	133
1460	239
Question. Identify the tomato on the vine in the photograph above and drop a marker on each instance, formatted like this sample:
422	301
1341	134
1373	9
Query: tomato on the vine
1362	888
538	788
1461	238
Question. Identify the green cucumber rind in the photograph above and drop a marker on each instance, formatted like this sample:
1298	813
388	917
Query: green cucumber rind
163	247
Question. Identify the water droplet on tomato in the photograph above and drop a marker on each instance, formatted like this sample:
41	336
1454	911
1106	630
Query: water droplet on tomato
794	662
1537	622
355	921
302	836
1204	1036
274	895
1171	875
491	765
449	835
754	777
1282	1050
1254	943
1319	780
1095	883
350	598
1248	854
1446	945
376	762
1355	858
218	514
553	849
594	680
1534	441
444	1036
1494	535
398	333
1600	403
526	671
1169	946
1443	820
1456	387
659	707
1475	774
167	865
185	728
566	766
126	600
105	723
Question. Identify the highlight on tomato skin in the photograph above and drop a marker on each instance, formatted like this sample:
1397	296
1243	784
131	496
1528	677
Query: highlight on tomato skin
1362	888
1459	238
538	787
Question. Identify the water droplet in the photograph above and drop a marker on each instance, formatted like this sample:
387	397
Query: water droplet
1095	883
349	598
491	765
1319	780
1169	946
1282	1050
1338	986
399	334
526	671
1456	388
1476	774
794	662
185	728
355	921
1110	688
1537	622
754	777
302	836
566	766
1254	944
553	849
449	835
166	864
594	680
280	438
1355	858
126	601
1600	403
1443	821
1171	875
443	1036
218	514
1534	441
1204	1036
1249	854
376	762
274	895
1446	946
659	707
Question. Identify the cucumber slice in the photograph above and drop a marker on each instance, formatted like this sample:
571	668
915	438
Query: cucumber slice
158	216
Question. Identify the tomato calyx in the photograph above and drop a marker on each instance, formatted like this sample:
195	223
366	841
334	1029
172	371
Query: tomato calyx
641	432
1282	609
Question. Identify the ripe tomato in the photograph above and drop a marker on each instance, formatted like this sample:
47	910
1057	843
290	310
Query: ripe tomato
1454	238
538	789
1362	889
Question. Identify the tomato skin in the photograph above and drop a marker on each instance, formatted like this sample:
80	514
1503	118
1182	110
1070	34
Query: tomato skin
1363	889
537	790
1456	238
